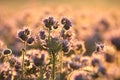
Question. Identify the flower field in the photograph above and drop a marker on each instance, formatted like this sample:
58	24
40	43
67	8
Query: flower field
59	40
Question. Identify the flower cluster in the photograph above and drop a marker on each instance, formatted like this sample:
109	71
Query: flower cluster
51	23
24	35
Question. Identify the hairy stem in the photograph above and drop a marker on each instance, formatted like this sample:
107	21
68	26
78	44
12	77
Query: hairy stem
61	65
53	67
41	73
23	59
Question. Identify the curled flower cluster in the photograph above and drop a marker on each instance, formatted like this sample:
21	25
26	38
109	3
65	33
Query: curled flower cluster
51	23
7	52
24	35
66	23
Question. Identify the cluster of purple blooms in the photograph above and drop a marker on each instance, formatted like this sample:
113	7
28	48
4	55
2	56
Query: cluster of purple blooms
50	24
24	35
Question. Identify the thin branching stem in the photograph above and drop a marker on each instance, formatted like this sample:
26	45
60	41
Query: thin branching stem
61	65
23	59
41	73
53	66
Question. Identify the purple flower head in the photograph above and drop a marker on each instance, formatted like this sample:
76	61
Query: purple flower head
39	61
27	31
30	40
67	23
79	77
74	65
56	38
22	36
56	24
7	52
65	46
95	62
116	42
42	34
49	22
102	70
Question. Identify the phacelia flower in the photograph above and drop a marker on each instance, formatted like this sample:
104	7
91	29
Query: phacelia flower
23	34
7	52
30	40
49	22
42	35
56	24
95	62
65	46
102	70
66	23
109	58
74	65
116	42
27	31
99	47
39	61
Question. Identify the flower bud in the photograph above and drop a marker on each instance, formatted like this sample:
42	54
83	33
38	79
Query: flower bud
30	40
42	35
66	23
7	52
22	36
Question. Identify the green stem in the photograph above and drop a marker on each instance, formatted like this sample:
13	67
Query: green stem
41	73
49	40
53	67
23	59
61	65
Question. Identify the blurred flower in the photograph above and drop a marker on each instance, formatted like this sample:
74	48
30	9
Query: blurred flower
30	40
49	22
99	47
109	58
102	70
27	62
79	77
116	42
79	46
56	24
42	34
7	52
95	62
24	34
74	65
65	46
105	24
27	31
66	23
39	61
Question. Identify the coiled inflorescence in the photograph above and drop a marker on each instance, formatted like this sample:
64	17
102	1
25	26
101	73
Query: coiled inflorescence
24	35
